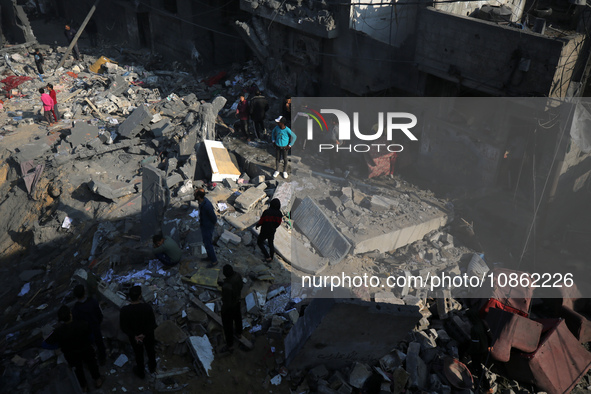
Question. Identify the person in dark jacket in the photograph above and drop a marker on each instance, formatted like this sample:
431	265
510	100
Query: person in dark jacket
207	221
87	309
137	321
258	108
286	110
39	60
73	337
70	33
243	114
269	222
231	313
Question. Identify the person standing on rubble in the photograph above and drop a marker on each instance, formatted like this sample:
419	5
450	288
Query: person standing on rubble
207	221
283	138
166	250
47	106
258	108
286	110
243	113
138	322
73	337
87	309
53	96
269	222
70	33
231	310
39	60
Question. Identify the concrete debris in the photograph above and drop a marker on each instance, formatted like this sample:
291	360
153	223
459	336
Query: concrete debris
122	164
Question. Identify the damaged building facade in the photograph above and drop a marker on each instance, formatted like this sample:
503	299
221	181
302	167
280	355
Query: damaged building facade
82	199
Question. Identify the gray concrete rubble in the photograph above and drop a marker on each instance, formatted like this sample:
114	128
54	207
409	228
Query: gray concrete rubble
82	200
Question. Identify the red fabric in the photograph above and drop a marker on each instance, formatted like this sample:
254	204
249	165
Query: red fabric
12	82
216	78
73	75
53	96
494	303
384	165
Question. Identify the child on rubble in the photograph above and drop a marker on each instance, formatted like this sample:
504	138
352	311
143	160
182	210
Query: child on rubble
47	106
269	222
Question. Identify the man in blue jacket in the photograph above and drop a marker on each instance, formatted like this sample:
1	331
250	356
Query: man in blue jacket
283	138
207	221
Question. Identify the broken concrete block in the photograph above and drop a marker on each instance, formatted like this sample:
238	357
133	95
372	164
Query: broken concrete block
111	192
318	372
247	200
333	203
162	128
247	238
257	179
229	183
135	122
252	305
243	221
153	200
325	237
118	85
359	375
228	236
388	297
169	333
82	133
188	169
286	194
399	380
415	366
383	328
174	180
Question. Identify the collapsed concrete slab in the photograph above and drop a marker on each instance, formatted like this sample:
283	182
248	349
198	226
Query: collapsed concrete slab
82	133
285	193
247	200
318	228
296	254
111	191
153	200
402	230
243	221
334	331
136	122
221	164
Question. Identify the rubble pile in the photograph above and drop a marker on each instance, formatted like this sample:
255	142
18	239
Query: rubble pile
84	197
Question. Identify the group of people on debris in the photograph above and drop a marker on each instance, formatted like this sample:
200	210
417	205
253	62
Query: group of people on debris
49	100
80	327
281	136
168	252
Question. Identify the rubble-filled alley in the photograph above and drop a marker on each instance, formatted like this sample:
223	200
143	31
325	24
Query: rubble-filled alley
136	136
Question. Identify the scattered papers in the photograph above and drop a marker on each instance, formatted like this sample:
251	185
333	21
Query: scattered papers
121	360
25	289
67	222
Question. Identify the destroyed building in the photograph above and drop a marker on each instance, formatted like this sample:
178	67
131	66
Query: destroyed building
139	133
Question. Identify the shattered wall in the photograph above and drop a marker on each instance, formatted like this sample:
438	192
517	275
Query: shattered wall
197	34
388	23
517	63
15	25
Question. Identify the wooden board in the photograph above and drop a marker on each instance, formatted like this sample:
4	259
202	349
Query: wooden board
218	320
220	162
